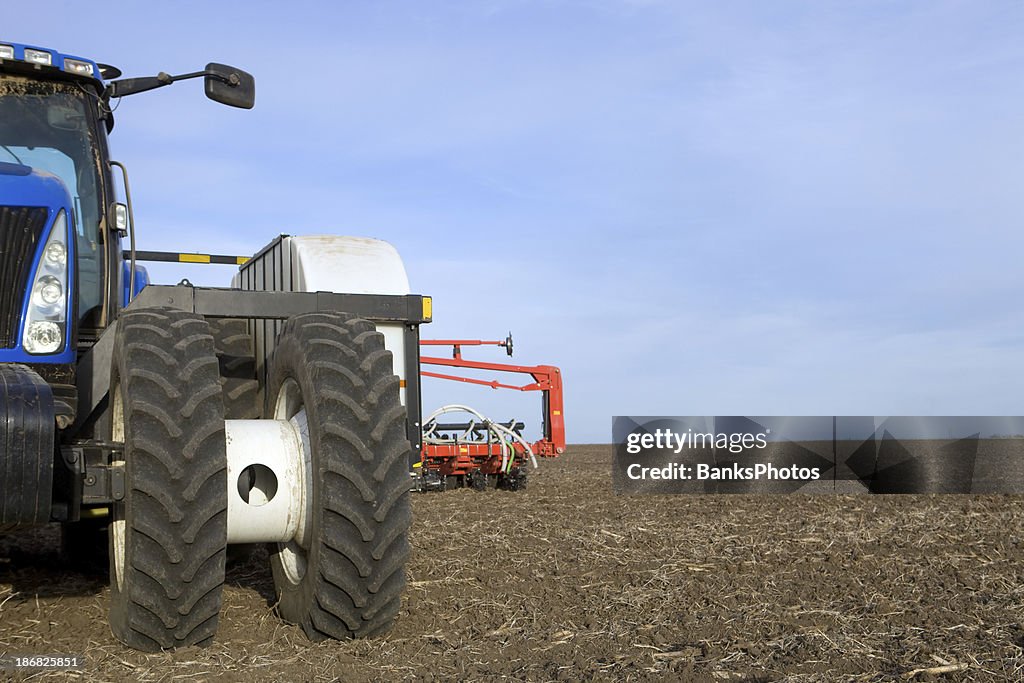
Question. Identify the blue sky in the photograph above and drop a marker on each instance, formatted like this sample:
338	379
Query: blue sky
694	208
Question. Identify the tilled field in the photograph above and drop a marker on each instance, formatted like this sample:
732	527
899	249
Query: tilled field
566	581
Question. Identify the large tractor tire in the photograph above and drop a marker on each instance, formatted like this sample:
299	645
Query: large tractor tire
343	576
169	534
237	359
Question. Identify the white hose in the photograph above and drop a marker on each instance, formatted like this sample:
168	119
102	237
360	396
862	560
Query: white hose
498	430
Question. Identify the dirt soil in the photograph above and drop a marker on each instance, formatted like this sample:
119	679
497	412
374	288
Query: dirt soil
566	581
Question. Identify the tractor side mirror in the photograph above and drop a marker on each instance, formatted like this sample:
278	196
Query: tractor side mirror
230	86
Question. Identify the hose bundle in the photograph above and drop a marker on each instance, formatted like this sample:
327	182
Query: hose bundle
500	432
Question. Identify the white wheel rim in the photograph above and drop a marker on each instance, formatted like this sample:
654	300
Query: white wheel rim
293	554
117	522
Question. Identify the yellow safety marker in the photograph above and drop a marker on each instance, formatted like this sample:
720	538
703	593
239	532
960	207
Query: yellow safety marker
193	258
428	307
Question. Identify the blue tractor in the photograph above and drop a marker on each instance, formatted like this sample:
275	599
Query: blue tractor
159	424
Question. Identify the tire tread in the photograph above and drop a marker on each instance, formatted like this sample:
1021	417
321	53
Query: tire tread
356	574
176	523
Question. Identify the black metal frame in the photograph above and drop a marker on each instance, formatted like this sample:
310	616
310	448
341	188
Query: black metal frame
186	257
86	478
224	302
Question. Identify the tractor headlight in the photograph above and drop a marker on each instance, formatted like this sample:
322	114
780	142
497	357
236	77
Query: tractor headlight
48	292
38	56
56	253
43	336
77	66
48	303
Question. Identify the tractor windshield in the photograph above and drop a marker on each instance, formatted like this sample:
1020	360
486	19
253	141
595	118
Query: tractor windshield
46	125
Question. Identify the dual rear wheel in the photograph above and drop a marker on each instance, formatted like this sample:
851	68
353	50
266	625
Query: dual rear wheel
342	573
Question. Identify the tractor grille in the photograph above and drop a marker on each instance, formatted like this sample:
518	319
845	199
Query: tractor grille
20	228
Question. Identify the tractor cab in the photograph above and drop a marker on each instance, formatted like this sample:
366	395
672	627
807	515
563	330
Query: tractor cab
50	129
54	187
